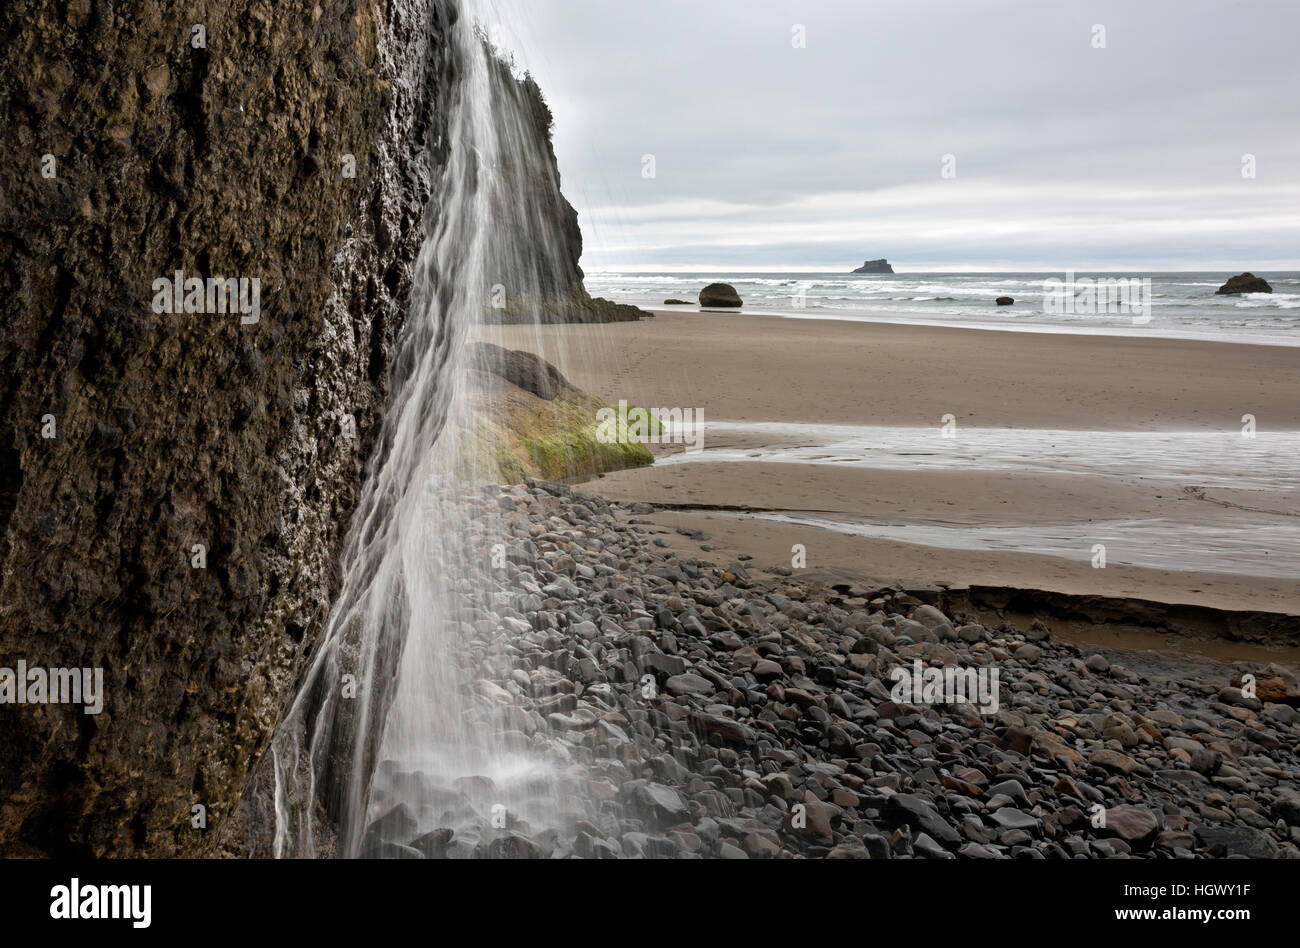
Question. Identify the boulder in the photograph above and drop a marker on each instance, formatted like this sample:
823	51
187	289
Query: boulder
1135	825
397	825
664	801
1273	684
677	302
513	847
1287	808
719	294
916	810
522	369
934	620
1245	283
728	729
689	684
434	845
1004	300
1236	841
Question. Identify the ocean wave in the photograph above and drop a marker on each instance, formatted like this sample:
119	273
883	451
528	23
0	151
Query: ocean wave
1180	304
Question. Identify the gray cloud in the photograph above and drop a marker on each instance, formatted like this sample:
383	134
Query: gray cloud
768	156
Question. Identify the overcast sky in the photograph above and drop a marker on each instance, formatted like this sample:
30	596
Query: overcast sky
769	156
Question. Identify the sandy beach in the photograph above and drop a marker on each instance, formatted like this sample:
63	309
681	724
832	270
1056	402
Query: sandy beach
785	377
769	368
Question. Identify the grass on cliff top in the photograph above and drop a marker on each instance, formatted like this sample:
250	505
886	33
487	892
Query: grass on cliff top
518	436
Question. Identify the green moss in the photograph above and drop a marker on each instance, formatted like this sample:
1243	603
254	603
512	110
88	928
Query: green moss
573	454
521	436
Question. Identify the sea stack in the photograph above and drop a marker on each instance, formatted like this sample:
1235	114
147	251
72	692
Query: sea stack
1244	283
1004	301
875	266
720	294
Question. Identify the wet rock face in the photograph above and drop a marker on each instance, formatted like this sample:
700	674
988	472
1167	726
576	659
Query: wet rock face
174	486
526	370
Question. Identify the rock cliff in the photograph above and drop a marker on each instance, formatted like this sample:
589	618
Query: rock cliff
175	486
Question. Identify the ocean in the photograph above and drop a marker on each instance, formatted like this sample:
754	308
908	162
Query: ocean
1176	305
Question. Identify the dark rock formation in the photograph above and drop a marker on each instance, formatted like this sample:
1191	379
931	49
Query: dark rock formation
678	303
181	528
190	437
720	294
574	306
1004	301
548	244
875	266
1245	283
1121	614
525	370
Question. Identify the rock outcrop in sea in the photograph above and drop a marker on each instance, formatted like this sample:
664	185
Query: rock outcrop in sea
1244	283
875	266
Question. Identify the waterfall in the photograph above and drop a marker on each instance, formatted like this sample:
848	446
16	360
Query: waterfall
396	731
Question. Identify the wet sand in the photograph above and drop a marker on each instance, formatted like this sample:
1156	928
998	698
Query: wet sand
771	370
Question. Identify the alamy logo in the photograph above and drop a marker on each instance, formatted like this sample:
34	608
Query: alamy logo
1085	296
661	426
947	685
103	901
181	294
53	686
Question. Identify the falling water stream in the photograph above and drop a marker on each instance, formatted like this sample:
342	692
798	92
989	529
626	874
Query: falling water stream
392	735
402	729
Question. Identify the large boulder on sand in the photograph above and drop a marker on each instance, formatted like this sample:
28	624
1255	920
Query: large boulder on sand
525	370
719	294
1245	283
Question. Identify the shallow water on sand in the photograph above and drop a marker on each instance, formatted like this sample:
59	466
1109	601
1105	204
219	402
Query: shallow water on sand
1260	536
1266	462
1250	548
